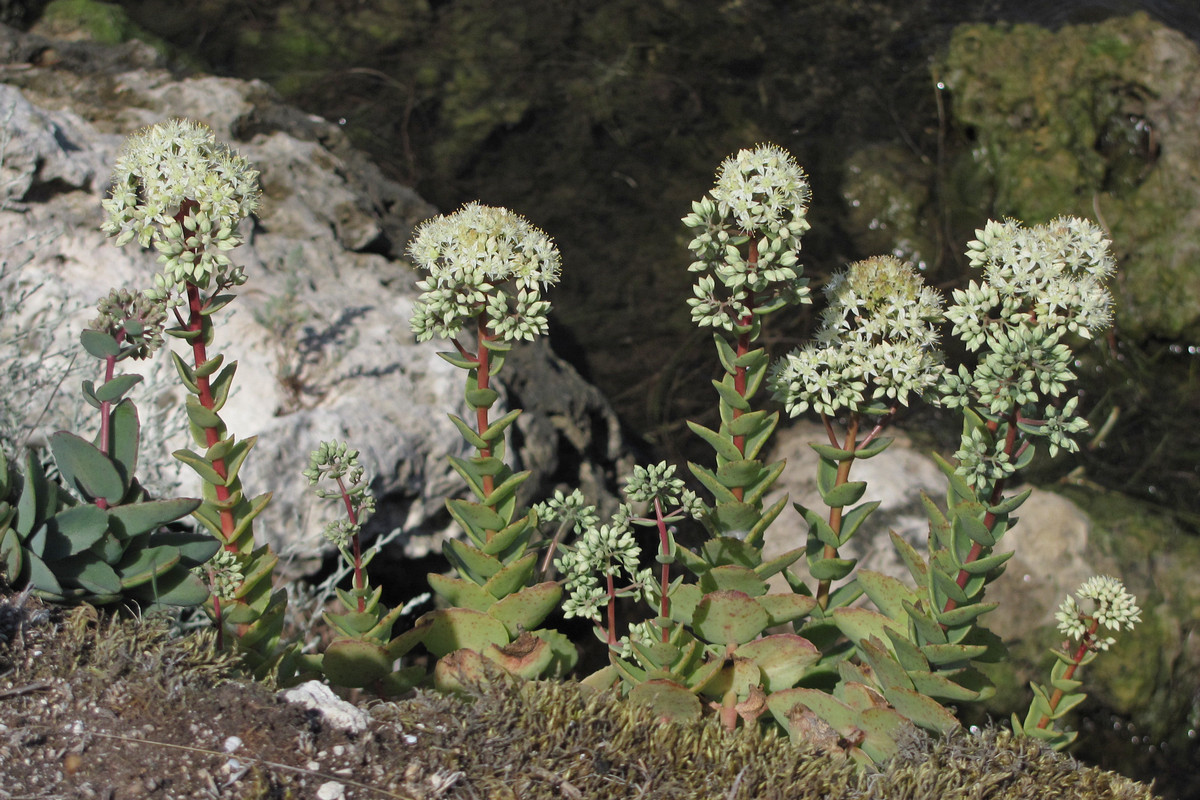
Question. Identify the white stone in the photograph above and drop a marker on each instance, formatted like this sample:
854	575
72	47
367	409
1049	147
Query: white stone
336	711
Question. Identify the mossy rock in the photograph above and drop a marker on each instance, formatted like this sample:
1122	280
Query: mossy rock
1098	121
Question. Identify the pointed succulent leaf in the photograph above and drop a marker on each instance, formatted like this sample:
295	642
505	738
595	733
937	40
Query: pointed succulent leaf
684	599
460	593
477	397
1010	504
201	416
41	577
730	395
748	424
406	641
112	391
964	615
506	489
94	576
907	654
787	706
511	540
730	550
830	452
853	519
887	593
237	455
221	385
720	492
200	465
939	687
923	711
470	562
729	617
876	447
860	624
721	443
827	569
767	476
818	528
451	629
526	609
943	654
984	565
178	588
475	518
259	568
974	529
927	628
353	624
887	671
85	468
911	558
786	607
124	437
468	433
246	516
779	563
11	560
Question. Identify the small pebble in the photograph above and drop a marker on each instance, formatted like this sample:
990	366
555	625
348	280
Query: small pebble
331	790
232	744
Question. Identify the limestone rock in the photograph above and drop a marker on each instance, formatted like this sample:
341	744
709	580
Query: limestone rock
320	330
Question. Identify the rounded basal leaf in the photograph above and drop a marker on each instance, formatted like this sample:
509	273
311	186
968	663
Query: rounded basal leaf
786	607
684	597
95	576
527	656
11	560
735	578
730	550
179	588
789	706
195	547
99	344
527	608
354	663
124	437
74	530
670	701
860	624
729	617
453	629
783	659
460	669
85	468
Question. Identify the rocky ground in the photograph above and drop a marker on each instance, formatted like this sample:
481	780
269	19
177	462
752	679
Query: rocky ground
93	706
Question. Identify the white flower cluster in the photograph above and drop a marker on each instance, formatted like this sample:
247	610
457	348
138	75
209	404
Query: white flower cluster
483	260
876	345
176	188
1113	607
761	196
336	461
1040	285
571	509
602	551
223	574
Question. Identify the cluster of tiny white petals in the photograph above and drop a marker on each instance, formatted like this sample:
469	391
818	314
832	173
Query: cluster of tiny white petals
1113	607
1039	285
761	196
176	189
483	260
982	460
876	345
602	551
571	509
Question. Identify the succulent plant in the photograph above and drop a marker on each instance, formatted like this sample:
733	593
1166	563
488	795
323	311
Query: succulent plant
91	533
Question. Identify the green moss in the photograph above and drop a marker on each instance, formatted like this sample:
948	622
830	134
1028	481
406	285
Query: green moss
106	23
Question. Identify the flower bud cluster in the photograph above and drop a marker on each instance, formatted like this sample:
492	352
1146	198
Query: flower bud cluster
334	460
1112	607
876	345
135	319
483	260
761	197
176	188
223	573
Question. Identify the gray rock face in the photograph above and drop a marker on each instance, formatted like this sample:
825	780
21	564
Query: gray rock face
320	330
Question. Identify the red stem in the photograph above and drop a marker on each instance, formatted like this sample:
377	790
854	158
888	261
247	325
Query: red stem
989	519
358	572
1085	644
664	547
612	612
835	513
110	366
482	381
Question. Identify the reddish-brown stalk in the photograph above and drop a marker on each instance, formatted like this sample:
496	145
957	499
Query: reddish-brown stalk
989	519
482	381
612	611
110	367
358	573
835	513
664	547
743	347
1085	644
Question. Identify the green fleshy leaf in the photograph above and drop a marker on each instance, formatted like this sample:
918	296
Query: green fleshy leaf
765	520
95	576
732	576
88	390
876	447
99	344
667	699
753	422
200	416
720	492
496	429
73	530
237	455
201	466
887	593
729	395
481	398
512	577
124	439
844	494
186	375
475	518
785	607
725	353
526	609
221	385
853	519
454	358
729	617
720	443
112	391
216	303
450	629
468	433
85	468
1011	504
908	554
511	540
888	672
210	366
943	654
471	563
460	593
923	711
